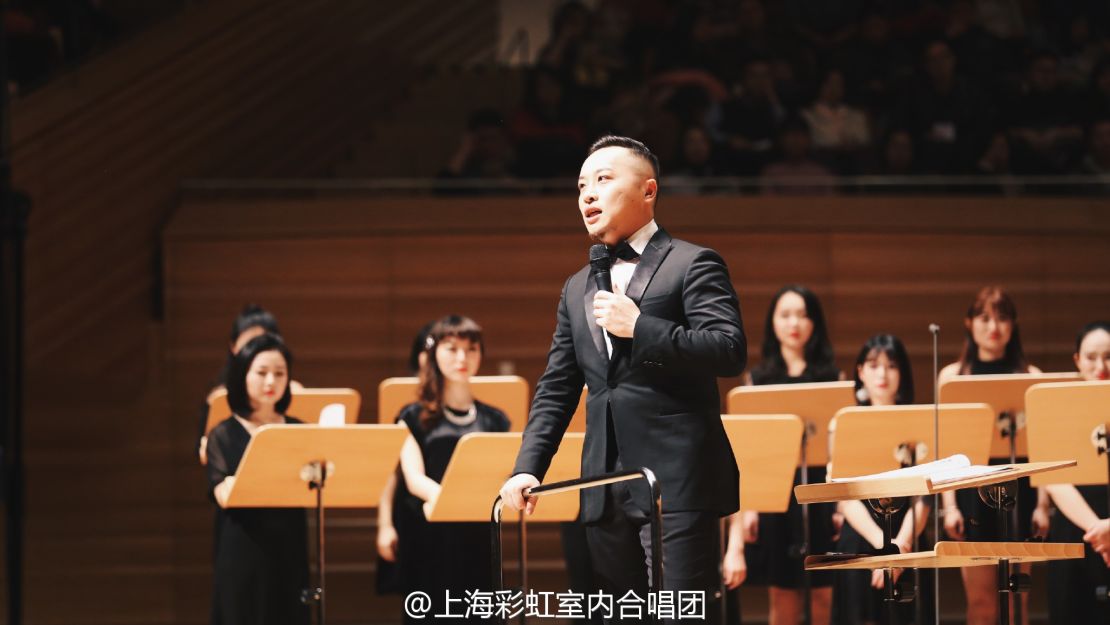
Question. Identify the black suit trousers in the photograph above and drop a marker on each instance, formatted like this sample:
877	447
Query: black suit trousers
620	548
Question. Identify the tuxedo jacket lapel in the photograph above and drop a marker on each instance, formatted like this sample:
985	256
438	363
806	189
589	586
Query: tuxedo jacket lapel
656	250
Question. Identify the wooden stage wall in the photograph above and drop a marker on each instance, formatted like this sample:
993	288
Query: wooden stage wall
127	538
352	279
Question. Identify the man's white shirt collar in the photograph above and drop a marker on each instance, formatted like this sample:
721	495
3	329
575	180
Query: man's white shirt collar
639	239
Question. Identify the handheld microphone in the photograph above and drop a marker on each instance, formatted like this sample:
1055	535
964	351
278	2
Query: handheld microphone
600	264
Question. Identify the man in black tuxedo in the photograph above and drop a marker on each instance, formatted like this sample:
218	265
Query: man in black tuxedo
650	353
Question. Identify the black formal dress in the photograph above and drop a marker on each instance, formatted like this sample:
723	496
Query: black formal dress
437	558
775	558
262	553
1072	583
654	404
980	520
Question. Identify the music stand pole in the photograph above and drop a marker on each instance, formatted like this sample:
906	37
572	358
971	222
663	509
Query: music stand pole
318	474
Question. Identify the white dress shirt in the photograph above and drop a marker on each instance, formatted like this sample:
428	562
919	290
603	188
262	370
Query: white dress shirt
622	270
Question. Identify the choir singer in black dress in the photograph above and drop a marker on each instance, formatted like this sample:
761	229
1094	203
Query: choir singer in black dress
262	553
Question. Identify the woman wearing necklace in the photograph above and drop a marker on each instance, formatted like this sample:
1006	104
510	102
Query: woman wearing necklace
992	346
442	557
261	553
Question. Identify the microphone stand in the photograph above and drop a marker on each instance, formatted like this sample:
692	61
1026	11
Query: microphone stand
934	329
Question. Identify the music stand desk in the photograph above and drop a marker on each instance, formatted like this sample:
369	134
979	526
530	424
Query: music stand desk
481	463
866	438
916	485
306	405
291	466
814	402
1005	393
951	554
1063	419
766	472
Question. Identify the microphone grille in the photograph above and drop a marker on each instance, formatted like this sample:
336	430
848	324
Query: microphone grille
598	252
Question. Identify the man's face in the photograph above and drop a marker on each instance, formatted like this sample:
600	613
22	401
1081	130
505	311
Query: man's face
616	194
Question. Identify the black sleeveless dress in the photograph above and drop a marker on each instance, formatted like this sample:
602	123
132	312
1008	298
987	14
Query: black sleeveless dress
774	559
1072	583
261	553
439	558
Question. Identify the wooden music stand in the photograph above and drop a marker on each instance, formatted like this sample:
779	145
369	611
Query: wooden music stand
867	438
284	464
1069	420
1001	554
871	439
767	474
951	554
1006	394
307	405
815	403
479	467
505	392
920	485
483	461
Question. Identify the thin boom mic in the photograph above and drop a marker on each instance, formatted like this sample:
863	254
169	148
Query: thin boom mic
600	264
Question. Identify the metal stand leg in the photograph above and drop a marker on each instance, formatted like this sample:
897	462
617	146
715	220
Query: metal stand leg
315	596
887	508
1003	592
1009	584
1014	522
807	588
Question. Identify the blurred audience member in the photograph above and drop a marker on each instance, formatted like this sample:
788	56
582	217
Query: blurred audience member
549	141
1097	159
797	173
995	162
839	130
1043	121
947	114
751	121
1096	102
485	150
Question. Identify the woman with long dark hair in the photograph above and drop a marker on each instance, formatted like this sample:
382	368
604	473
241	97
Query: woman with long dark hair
796	348
883	377
1084	513
261	553
992	345
438	558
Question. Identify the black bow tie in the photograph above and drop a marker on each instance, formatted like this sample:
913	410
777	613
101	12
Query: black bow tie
624	251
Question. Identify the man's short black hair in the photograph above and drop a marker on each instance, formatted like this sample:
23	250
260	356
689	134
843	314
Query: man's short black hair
636	147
